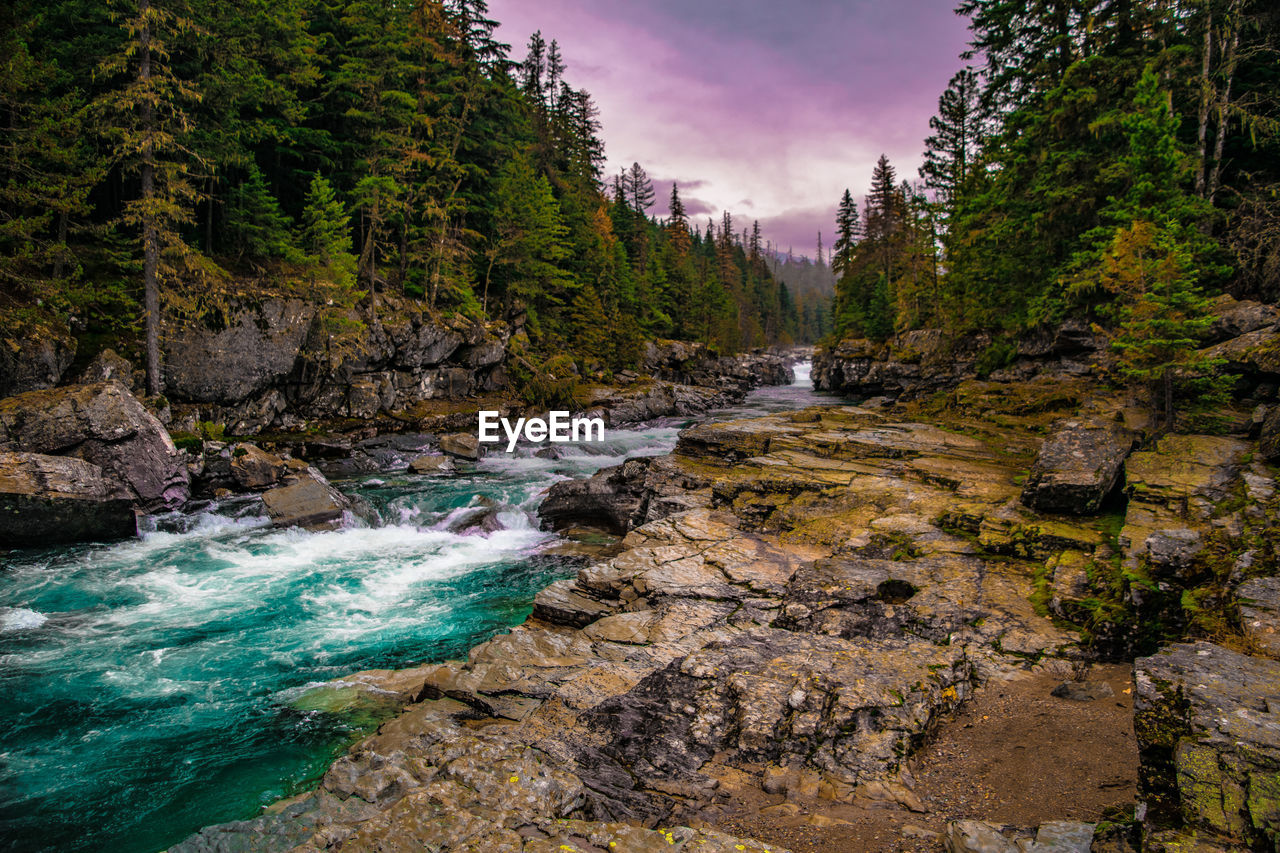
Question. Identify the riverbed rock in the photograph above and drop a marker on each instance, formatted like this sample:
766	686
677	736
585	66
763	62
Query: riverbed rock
1078	466
461	444
803	626
431	463
106	366
1259	601
1208	727
104	424
622	497
34	359
311	502
51	500
253	468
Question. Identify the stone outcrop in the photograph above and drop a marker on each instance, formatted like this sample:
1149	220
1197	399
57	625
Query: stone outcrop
103	424
1208	726
922	361
466	789
252	363
1172	488
622	497
797	627
686	363
31	360
50	500
1078	466
1259	602
308	500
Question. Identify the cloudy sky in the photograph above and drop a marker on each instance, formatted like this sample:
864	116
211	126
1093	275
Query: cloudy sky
767	108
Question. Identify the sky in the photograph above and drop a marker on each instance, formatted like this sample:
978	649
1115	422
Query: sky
768	109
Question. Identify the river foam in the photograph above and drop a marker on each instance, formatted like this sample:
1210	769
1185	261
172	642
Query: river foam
148	683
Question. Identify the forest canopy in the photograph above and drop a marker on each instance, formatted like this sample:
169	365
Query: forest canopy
170	149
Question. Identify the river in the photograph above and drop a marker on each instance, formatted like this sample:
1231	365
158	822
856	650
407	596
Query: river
146	685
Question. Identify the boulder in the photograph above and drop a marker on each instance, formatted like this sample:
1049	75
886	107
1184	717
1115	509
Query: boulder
104	424
108	365
461	444
1255	353
1260	613
254	468
1236	317
431	464
235	355
1269	435
310	502
1174	549
423	344
1207	721
30	361
1078	465
50	500
621	497
975	836
485	354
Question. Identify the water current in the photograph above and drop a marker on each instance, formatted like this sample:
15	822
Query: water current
146	686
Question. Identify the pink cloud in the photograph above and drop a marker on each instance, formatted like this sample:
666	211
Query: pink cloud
774	108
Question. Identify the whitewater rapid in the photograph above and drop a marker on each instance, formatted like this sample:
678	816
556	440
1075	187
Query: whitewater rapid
148	683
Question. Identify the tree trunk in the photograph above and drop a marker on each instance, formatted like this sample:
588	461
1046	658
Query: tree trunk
208	222
150	239
1167	382
60	264
1202	127
1231	35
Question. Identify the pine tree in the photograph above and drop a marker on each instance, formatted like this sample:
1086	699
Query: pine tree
325	227
324	237
255	225
1160	317
639	190
957	136
148	123
529	240
842	253
49	167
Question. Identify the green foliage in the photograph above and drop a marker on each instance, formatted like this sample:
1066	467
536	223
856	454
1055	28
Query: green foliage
552	384
999	354
210	431
256	227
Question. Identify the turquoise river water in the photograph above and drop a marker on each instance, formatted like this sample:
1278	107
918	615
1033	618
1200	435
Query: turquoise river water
145	686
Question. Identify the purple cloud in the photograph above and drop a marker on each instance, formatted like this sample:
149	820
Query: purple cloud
768	109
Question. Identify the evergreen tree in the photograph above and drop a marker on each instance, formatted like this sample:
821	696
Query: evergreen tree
639	190
255	225
147	121
957	136
842	253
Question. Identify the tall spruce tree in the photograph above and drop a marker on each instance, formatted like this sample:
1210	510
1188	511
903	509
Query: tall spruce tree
147	121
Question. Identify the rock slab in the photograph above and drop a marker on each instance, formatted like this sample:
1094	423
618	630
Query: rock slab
1208	726
1078	465
50	500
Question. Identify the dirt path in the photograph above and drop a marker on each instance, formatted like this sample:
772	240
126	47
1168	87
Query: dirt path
1015	755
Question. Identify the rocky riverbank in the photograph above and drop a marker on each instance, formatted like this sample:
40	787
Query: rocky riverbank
80	462
801	601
